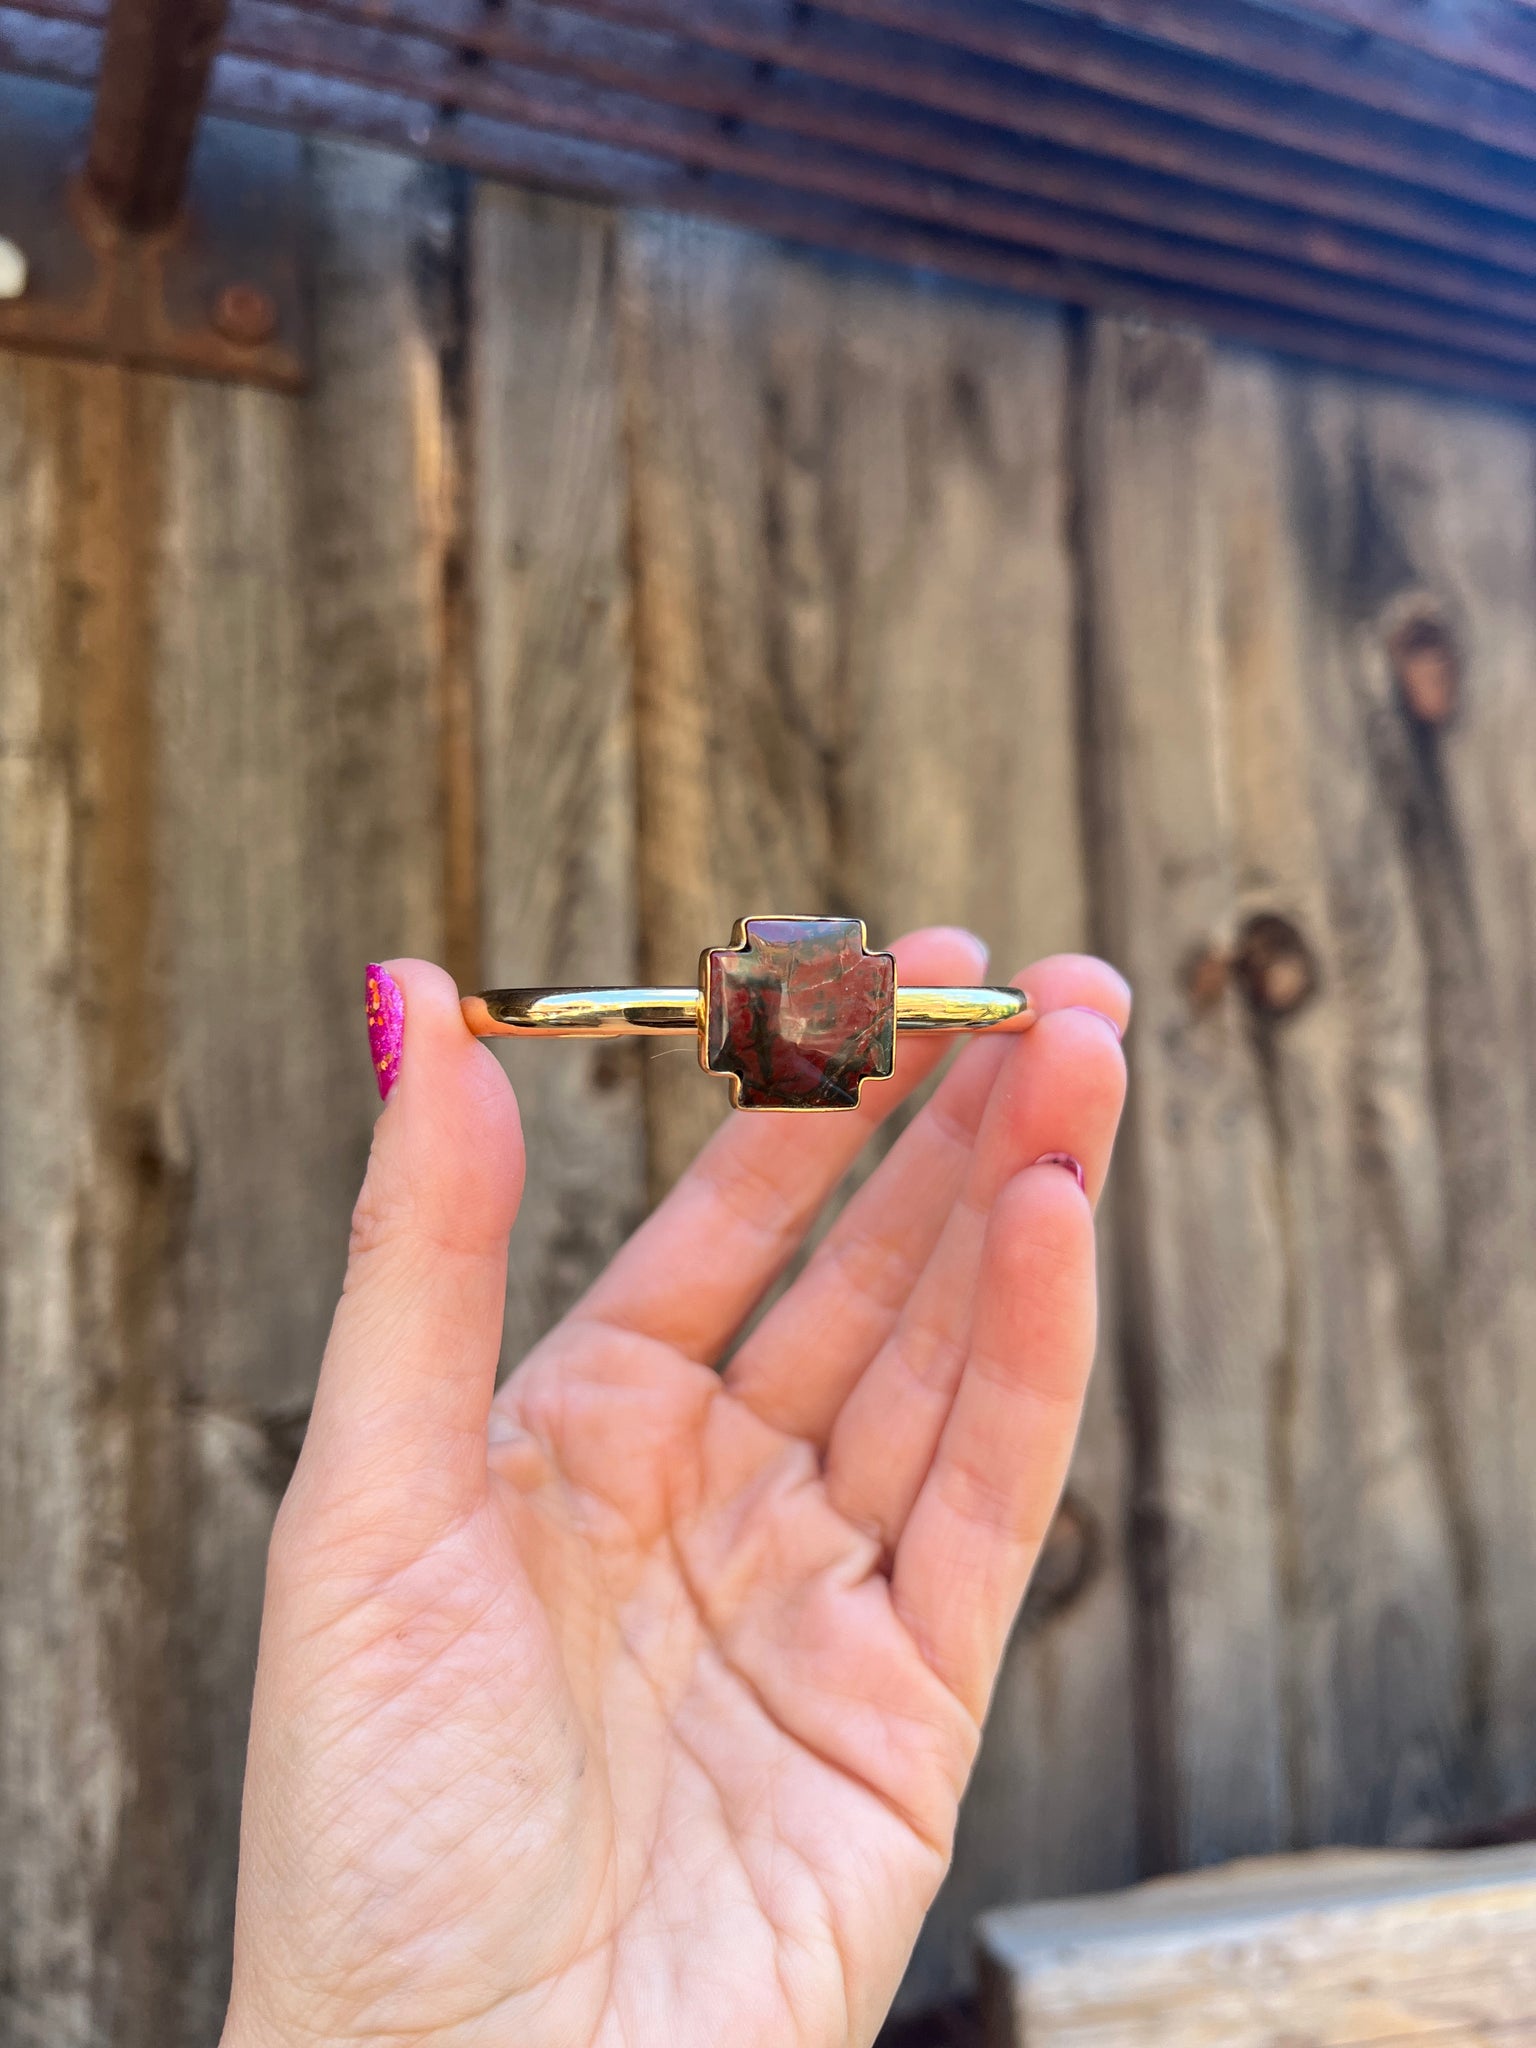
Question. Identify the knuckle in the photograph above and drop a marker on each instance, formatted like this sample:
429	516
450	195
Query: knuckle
373	1222
872	1268
932	1355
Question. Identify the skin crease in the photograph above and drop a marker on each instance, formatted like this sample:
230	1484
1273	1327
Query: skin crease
634	1706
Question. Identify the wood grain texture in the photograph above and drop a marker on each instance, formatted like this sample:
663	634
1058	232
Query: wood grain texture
1351	1281
1339	1949
1374	1631
222	790
299	685
93	1511
1409	504
736	724
556	720
854	634
1463	489
1201	1278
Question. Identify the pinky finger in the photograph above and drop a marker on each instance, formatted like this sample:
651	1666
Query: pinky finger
969	1545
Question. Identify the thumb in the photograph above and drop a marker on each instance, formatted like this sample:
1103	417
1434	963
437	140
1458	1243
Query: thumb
405	1386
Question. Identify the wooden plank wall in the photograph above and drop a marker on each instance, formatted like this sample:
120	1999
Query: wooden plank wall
619	575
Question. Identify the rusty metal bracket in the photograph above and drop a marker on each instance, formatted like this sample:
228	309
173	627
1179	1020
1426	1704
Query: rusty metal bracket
119	263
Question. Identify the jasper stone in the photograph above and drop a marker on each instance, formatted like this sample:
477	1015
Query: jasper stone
800	1015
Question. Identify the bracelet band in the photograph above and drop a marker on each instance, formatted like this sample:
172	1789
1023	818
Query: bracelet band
796	1012
658	1012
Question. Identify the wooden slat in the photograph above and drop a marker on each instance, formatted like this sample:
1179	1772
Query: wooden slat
1338	1949
51	1655
1482	36
302	642
854	636
1414	503
850	53
1297	48
1349	1467
736	709
1246	39
221	686
1216	97
1201	1277
92	1507
1376	1659
556	719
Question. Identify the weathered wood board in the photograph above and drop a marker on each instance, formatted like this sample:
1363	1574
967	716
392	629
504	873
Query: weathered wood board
63	1738
1201	1297
620	576
300	813
1372	1651
1325	1268
555	719
1427	508
219	621
1339	1949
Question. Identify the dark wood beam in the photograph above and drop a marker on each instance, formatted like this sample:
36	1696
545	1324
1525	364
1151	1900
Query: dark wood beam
155	62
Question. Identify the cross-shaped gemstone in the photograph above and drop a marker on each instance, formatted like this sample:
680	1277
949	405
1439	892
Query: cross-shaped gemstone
799	1014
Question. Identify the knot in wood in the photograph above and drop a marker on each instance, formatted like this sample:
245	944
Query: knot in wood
1206	975
1275	967
1069	1559
1426	660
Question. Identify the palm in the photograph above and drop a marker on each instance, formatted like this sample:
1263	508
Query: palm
780	1767
663	1730
723	1704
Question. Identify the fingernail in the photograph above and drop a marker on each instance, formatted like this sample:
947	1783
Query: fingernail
1085	1010
386	1027
1065	1159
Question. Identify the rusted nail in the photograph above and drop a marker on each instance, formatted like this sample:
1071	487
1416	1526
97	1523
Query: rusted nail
245	315
1274	965
1426	662
1206	975
13	269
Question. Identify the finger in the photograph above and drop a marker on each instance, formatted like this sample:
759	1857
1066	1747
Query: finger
973	1535
1059	1094
694	1271
801	1362
405	1386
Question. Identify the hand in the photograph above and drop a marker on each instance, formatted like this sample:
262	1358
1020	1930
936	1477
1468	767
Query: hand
634	1706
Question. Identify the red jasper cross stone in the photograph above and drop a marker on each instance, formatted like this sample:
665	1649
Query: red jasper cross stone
799	1015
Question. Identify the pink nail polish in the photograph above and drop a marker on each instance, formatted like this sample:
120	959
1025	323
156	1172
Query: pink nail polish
1065	1159
386	1027
1087	1010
